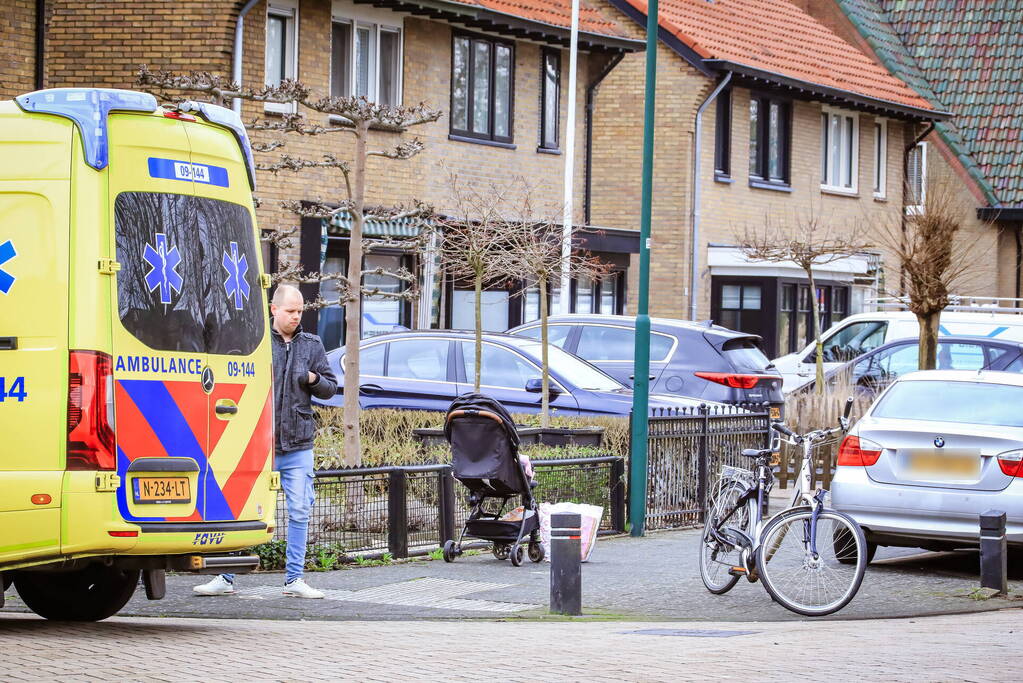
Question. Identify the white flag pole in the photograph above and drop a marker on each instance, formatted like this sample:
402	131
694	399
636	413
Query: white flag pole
566	222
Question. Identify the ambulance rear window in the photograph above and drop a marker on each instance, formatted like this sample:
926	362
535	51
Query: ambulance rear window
189	277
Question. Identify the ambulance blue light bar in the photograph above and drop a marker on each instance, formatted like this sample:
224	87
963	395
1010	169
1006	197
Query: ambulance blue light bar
222	116
88	108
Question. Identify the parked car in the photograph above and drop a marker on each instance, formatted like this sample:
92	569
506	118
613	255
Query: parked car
426	369
872	372
936	449
696	360
863	332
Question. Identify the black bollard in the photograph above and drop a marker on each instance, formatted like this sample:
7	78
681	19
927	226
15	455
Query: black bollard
566	564
993	553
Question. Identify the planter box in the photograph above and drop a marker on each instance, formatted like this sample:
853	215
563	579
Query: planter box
528	436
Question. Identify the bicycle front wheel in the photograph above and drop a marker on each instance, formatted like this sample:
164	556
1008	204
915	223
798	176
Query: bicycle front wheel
806	583
716	559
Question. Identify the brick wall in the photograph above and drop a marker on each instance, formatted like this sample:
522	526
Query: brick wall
17	58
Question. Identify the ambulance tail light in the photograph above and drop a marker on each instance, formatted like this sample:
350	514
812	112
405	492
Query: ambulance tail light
90	412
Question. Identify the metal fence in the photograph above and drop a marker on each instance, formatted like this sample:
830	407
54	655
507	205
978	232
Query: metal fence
412	509
686	450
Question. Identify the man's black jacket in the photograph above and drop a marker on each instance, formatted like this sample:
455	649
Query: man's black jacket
293	414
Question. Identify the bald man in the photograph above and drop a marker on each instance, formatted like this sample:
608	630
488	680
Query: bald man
300	371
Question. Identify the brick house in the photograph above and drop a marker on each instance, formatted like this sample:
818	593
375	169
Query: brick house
496	68
801	121
964	58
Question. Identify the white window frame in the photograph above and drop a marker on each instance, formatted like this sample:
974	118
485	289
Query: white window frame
287	9
829	167
915	209
378	21
880	159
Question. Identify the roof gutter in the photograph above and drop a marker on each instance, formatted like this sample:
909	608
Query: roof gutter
239	42
591	96
694	234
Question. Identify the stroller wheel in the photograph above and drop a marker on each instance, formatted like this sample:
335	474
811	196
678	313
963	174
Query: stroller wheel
450	551
517	555
501	551
536	551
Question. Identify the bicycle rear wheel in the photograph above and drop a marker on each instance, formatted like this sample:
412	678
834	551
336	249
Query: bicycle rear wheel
715	558
808	585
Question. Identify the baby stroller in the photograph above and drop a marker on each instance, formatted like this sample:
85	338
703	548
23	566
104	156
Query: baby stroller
485	458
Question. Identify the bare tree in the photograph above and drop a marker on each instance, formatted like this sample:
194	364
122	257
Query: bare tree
475	246
808	240
356	116
934	256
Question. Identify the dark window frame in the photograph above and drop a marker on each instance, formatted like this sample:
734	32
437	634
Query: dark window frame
546	53
470	135
760	175
723	136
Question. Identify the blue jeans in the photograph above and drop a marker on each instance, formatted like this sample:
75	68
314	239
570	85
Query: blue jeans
296	470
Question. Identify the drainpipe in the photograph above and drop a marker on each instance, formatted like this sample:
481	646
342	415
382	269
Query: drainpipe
1019	260
239	34
905	182
694	236
591	96
40	44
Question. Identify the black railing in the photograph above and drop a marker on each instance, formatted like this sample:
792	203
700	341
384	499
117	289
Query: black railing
412	509
686	450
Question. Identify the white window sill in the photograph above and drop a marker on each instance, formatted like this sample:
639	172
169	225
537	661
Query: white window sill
880	198
841	191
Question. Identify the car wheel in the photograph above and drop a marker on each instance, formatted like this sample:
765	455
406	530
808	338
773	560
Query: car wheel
90	594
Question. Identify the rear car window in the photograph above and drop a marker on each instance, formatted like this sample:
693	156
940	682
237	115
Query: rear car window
189	277
965	402
600	342
556	334
744	355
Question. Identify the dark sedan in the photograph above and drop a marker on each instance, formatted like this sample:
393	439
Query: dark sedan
696	360
425	370
875	370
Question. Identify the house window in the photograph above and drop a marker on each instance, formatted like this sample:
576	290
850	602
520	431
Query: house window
482	74
880	158
723	136
365	61
770	132
786	313
281	47
916	179
839	150
550	96
735	300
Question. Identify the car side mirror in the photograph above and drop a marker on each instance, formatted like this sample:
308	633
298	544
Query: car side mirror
535	386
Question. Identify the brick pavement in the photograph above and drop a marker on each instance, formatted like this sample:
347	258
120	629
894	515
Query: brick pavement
969	647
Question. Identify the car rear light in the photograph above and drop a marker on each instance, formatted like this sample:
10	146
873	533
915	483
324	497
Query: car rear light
90	412
733	380
1011	463
857	452
124	534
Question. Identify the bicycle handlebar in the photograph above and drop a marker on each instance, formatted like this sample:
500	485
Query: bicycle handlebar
843	425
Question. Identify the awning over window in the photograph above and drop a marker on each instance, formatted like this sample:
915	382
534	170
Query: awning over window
728	260
341	226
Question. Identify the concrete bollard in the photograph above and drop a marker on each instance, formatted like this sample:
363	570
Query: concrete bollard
566	564
993	552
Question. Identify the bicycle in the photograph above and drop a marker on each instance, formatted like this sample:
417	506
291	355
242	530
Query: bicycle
811	558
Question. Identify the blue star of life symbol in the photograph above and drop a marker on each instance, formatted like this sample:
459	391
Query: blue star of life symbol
7	252
163	272
235	284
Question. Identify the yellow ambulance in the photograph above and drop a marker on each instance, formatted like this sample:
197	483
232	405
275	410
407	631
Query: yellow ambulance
136	416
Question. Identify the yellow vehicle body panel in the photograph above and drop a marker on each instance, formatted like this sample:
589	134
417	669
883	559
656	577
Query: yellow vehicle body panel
152	261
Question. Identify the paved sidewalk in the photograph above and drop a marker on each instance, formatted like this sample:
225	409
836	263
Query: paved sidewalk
975	647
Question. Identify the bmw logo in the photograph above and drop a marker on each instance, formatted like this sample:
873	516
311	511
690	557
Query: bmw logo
207	380
939	442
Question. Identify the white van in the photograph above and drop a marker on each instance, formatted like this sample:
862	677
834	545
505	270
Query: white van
863	332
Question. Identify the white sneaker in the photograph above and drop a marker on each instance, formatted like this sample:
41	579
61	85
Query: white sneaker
300	589
218	586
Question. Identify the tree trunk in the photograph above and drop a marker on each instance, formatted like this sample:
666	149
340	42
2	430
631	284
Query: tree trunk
479	330
819	389
353	310
545	396
928	339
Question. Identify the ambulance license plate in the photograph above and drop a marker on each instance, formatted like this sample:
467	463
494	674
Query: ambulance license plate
162	490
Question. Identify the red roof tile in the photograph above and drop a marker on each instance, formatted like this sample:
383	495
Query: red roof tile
553	12
778	37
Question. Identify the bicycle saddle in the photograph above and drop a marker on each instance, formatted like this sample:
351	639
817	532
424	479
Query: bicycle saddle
757	453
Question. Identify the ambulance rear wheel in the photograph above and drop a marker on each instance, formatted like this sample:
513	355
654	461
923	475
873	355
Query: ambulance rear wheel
90	594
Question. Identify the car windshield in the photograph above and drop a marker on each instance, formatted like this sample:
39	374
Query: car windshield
942	401
573	370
